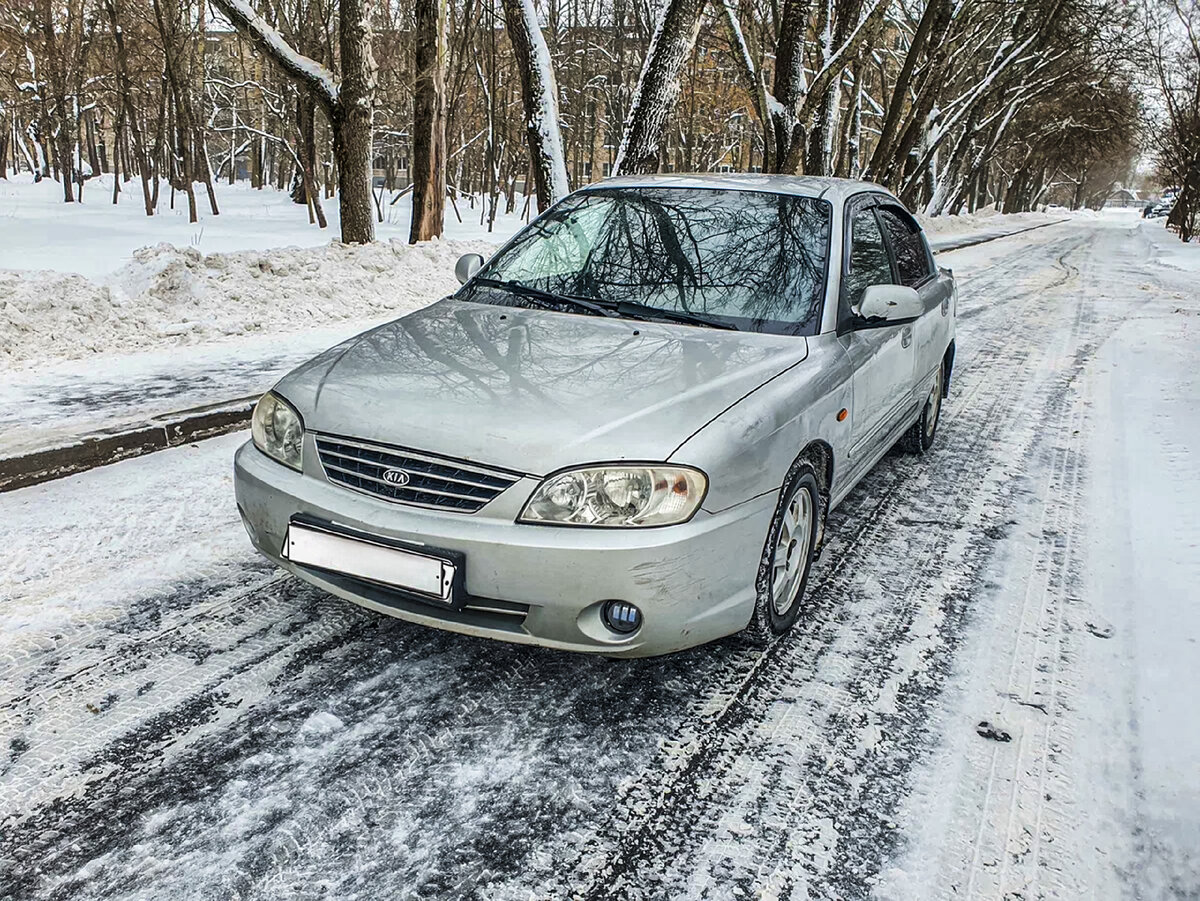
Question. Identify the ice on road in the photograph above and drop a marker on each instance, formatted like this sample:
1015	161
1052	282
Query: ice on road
179	721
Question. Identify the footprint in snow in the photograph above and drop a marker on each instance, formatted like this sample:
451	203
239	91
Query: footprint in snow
995	733
1100	630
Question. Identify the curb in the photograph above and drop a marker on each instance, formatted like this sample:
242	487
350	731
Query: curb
173	429
110	445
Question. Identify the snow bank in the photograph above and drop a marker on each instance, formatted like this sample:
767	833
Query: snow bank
986	221
1168	249
169	296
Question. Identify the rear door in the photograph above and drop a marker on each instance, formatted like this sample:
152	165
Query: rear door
881	355
914	267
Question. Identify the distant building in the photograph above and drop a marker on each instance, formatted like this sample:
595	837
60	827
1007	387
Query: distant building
1123	197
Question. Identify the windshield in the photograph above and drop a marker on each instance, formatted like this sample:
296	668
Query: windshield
748	259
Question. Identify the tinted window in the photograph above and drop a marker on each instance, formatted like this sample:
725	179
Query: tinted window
912	257
869	264
754	259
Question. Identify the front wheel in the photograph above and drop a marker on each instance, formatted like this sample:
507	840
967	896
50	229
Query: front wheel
787	556
919	438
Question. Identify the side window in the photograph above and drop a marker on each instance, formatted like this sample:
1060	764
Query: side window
868	263
908	245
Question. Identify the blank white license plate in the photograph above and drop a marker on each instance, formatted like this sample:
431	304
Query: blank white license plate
430	576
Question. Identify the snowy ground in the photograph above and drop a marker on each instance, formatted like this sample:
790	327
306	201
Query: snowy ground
100	237
182	722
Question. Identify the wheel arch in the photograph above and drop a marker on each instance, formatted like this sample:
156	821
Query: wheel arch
947	368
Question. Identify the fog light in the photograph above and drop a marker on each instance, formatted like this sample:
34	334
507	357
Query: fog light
621	617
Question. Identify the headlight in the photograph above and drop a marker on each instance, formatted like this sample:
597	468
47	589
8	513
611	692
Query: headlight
277	430
617	496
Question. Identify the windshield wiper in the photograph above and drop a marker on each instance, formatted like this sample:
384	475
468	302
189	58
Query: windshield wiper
545	298
637	310
625	308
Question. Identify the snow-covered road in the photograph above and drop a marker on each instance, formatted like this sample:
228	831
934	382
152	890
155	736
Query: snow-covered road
179	721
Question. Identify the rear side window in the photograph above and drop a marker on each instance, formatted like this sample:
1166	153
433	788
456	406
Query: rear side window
908	247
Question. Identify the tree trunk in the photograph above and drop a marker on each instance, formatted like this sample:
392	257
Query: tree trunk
658	87
304	189
855	131
429	122
788	133
117	155
539	95
352	122
57	79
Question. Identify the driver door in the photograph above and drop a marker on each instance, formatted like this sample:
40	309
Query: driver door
881	355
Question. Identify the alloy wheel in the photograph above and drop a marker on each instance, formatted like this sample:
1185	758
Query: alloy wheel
790	557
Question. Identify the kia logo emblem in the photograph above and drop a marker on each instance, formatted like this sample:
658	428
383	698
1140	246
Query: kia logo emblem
395	477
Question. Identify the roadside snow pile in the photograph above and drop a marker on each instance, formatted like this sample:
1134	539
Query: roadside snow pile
987	220
1168	249
169	296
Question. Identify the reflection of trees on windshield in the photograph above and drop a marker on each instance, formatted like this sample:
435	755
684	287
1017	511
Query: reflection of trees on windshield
738	254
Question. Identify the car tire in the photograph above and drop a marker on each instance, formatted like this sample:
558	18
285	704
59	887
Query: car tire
919	438
787	555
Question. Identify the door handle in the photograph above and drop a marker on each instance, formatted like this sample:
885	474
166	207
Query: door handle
906	336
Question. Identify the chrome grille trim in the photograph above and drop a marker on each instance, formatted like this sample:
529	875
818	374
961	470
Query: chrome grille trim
518	611
434	482
474	484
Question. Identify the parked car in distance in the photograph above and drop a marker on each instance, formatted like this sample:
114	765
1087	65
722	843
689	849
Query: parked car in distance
623	434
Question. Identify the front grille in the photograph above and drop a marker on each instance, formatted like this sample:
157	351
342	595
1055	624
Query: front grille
432	481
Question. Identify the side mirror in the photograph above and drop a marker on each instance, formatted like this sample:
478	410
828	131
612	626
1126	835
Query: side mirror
468	264
891	303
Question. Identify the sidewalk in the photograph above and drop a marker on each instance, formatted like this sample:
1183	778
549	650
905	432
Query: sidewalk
58	404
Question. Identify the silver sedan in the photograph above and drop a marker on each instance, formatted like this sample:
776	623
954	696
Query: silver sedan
625	431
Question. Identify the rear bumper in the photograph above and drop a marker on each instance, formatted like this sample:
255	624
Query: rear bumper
531	584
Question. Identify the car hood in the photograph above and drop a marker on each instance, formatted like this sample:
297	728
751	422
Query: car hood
532	390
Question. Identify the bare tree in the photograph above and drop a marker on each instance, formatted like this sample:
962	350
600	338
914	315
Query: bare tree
1174	32
953	104
130	113
348	104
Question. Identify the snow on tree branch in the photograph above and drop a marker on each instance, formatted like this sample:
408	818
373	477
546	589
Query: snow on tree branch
308	71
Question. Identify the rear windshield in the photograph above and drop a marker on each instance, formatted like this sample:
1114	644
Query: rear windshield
752	259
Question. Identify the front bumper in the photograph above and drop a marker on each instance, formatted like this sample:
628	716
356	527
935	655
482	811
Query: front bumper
530	584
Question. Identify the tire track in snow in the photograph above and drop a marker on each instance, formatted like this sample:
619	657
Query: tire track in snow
671	810
248	676
870	671
1028	797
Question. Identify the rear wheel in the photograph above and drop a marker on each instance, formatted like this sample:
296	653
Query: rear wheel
919	438
787	556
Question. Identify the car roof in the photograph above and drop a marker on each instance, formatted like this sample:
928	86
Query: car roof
831	189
